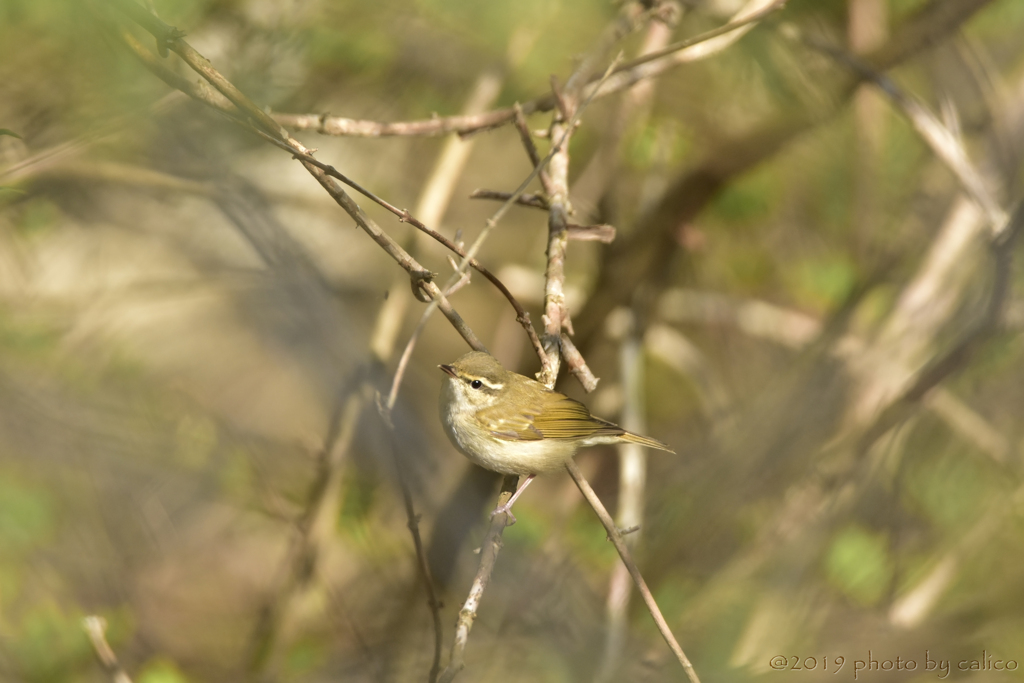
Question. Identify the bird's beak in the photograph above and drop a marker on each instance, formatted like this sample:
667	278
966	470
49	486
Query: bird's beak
448	369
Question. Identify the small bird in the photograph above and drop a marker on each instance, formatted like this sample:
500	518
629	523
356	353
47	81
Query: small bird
508	423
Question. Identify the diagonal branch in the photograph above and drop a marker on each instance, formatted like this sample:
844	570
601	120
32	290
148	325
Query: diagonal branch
942	366
943	142
644	257
96	628
252	117
627	559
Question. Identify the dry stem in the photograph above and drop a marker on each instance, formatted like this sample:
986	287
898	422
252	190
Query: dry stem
96	628
627	559
243	111
626	75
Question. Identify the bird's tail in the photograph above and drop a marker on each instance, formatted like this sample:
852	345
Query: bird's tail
646	441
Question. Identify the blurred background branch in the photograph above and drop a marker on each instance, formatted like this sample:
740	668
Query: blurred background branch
194	348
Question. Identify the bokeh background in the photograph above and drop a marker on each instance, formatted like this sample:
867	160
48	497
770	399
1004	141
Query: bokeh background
195	340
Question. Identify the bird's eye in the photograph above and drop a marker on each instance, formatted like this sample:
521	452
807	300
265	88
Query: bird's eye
476	384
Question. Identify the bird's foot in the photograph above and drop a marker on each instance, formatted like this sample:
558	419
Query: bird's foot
507	510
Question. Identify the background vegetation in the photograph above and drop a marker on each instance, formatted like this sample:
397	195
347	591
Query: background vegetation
799	298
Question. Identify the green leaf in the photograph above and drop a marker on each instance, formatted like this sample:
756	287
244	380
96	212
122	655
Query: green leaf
8	131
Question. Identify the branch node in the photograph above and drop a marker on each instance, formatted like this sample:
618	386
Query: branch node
418	279
625	532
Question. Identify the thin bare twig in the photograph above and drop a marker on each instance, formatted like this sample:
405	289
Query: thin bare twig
627	559
750	14
544	354
577	366
591	233
252	117
531	149
626	75
467	256
535	201
556	313
522	317
488	556
96	628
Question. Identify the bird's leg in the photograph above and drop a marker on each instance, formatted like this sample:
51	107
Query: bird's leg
507	507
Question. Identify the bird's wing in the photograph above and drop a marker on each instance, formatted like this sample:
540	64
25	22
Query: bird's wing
567	418
511	427
562	418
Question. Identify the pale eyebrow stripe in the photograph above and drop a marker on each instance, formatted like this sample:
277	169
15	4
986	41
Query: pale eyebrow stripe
487	383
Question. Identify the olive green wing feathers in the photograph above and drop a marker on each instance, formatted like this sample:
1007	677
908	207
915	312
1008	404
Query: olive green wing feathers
567	418
561	418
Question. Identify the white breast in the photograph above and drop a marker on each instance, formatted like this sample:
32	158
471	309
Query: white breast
495	454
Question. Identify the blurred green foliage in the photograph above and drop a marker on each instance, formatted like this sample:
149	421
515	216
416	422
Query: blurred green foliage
859	565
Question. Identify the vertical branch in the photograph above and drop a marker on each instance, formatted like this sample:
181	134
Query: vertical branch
488	556
556	314
326	498
632	484
431	206
867	31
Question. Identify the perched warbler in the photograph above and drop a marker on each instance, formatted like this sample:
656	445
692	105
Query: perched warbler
508	423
